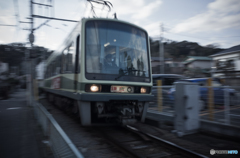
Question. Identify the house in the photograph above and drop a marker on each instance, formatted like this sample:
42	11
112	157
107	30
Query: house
226	64
170	66
197	66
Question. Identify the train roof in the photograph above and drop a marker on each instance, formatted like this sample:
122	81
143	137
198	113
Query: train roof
78	28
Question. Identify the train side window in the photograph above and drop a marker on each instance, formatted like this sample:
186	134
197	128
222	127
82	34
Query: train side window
48	74
70	57
50	70
47	70
67	59
53	68
57	65
63	62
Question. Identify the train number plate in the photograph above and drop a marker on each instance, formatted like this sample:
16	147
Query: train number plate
122	89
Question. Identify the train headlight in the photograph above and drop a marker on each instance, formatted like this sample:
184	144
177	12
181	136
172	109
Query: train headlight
143	90
94	88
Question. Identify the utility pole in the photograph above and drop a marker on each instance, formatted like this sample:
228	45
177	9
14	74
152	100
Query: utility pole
31	62
31	14
161	50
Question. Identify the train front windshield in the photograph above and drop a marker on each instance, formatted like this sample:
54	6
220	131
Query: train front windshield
116	51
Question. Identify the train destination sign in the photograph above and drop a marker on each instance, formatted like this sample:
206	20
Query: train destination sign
122	89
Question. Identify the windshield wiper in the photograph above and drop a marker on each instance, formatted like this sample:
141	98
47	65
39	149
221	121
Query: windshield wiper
127	71
122	74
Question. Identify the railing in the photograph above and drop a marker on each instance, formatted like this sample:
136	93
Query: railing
218	104
60	144
162	102
221	104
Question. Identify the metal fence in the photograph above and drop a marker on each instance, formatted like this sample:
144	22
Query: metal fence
59	142
221	104
218	104
163	101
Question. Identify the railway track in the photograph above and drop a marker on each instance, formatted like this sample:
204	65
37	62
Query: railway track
135	143
128	140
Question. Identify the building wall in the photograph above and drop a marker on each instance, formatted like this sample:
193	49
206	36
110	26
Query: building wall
200	64
237	64
235	57
3	67
170	67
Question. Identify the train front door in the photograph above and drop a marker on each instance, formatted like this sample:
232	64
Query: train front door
76	67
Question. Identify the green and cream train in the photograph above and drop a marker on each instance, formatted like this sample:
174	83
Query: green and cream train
102	72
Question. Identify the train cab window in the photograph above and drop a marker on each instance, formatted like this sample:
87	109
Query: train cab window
115	49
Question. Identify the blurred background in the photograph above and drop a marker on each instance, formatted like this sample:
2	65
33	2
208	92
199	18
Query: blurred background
190	41
193	39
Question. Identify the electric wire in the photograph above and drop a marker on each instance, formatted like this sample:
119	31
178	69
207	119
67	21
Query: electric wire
104	4
16	8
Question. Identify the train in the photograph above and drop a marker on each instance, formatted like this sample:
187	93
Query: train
102	72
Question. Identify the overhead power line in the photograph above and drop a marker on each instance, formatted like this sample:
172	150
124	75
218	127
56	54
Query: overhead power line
8	25
103	3
44	17
42	4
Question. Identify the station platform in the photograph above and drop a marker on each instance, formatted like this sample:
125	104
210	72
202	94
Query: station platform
20	134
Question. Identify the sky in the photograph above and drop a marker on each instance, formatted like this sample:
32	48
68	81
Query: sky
202	21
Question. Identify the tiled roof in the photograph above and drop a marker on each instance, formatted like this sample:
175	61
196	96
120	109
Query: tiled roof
230	50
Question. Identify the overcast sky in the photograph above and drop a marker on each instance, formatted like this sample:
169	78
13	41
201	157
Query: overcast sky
202	21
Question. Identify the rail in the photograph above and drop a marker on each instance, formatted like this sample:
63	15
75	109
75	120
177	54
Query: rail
60	144
175	147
